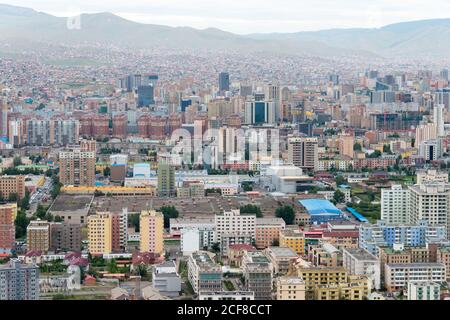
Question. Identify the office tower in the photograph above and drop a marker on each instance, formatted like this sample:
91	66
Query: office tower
438	119
15	132
100	233
219	108
19	281
303	152
395	205
334	79
444	74
77	167
152	231
356	115
260	112
431	150
145	96
38	236
3	118
224	82
8	213
166	179
273	94
430	203
12	185
245	90
442	97
425	132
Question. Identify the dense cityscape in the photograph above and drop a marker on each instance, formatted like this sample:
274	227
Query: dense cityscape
183	175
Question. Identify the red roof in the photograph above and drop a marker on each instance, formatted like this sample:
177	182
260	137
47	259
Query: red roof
33	253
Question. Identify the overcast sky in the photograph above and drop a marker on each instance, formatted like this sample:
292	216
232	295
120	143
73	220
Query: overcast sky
252	16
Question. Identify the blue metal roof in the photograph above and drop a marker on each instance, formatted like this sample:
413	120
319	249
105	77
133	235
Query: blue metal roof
320	206
357	215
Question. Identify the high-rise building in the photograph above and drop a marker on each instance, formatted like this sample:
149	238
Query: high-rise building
444	74
19	281
3	118
166	179
303	152
430	203
232	227
8	213
77	167
431	150
152	231
146	96
425	132
100	227
438	119
38	236
260	112
224	82
395	205
346	142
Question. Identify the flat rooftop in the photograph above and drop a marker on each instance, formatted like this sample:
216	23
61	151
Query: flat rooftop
69	202
361	254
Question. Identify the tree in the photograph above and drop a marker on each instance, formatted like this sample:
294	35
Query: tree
21	224
340	180
58	219
17	161
135	221
41	212
112	266
251	209
339	196
169	212
357	147
107	172
287	213
25	201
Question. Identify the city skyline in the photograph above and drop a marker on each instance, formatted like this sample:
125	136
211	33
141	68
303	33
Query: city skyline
252	16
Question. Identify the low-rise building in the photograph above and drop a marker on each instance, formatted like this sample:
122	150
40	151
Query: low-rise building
423	290
294	239
397	276
290	288
361	262
267	231
203	273
166	280
227	295
281	258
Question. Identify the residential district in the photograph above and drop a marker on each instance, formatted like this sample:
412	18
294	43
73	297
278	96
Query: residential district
147	186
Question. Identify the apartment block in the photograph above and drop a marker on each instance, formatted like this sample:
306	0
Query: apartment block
397	276
203	273
77	167
10	185
290	288
19	281
38	236
303	152
267	231
100	233
294	239
8	213
152	232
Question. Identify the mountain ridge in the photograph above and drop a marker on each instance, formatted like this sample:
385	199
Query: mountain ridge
412	39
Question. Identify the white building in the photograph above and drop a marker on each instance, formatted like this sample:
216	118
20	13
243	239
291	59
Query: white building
395	203
205	226
430	203
233	224
397	276
190	241
227	295
361	262
432	176
423	290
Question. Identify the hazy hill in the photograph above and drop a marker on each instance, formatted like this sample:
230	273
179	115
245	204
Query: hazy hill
419	38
